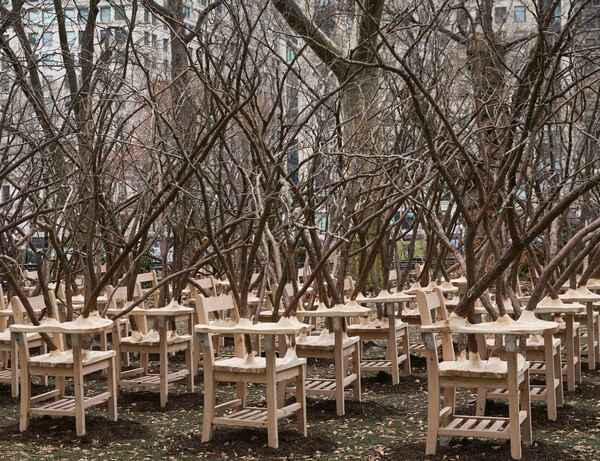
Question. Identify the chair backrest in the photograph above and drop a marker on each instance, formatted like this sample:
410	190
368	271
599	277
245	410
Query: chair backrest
147	277
206	283
3	306
432	309
222	307
151	279
117	297
37	303
303	274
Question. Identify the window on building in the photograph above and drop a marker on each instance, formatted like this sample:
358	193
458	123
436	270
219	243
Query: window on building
118	33
103	35
290	50
219	8
33	38
293	161
70	14
105	14
84	14
589	42
186	12
47	38
71	37
499	14
555	22
154	41
146	38
5	193
203	3
47	16
81	37
146	16
48	60
520	14
165	45
5	65
119	13
4	85
4	2
33	16
596	3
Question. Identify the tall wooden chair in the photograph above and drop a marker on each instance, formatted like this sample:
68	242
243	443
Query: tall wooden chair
75	363
161	343
472	372
272	371
7	349
34	340
149	281
218	311
397	344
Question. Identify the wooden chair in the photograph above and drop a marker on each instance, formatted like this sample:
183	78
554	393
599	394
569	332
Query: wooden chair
7	348
336	345
545	360
162	343
75	363
270	370
397	344
206	283
218	311
34	340
450	374
149	278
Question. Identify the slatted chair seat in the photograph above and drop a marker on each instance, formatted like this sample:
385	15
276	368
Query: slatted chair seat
508	377
161	343
324	342
64	359
270	371
491	368
73	363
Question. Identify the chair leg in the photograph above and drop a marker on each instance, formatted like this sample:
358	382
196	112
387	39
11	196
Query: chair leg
78	392
356	385
549	352
433	415
209	406
25	383
481	401
189	364
406	351
14	372
301	398
560	395
273	435
526	430
164	369
111	379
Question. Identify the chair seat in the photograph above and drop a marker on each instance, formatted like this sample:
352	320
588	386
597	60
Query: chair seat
491	368
64	359
324	342
376	326
533	343
154	339
411	315
257	365
5	337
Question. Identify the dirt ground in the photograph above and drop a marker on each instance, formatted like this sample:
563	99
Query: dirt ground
389	424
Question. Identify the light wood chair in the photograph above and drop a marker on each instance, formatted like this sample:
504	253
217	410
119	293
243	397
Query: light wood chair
206	283
7	348
397	343
162	343
272	371
451	374
218	311
34	340
75	363
149	278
